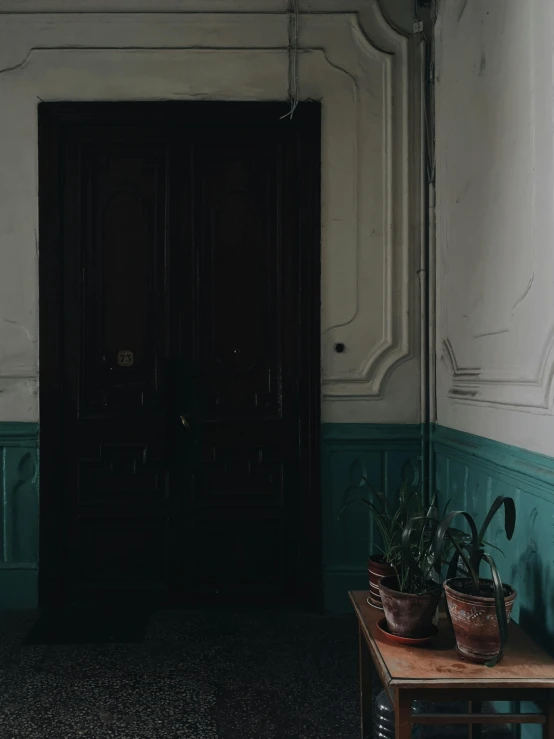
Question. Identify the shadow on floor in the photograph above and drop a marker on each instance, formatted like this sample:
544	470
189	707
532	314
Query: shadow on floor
195	674
89	626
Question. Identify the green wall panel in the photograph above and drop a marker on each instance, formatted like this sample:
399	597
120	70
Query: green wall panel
19	514
471	471
390	453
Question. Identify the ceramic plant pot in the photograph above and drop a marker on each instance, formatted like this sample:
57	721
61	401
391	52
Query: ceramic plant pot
408	615
474	618
377	568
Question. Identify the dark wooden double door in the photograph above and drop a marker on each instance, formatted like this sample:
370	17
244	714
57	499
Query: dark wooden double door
179	350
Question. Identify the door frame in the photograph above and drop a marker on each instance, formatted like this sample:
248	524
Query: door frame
53	118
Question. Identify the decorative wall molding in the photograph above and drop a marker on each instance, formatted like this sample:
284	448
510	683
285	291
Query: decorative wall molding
361	75
495	185
473	385
401	14
365	375
174	6
17	433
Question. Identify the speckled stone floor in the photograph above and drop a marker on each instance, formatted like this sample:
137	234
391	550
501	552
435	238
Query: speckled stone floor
205	674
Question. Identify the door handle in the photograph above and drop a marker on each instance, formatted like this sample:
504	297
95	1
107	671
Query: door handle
186	424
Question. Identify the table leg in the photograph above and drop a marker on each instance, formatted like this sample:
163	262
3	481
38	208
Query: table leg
366	696
548	727
402	714
474	730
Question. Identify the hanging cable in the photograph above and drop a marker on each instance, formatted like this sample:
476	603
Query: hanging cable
427	72
292	88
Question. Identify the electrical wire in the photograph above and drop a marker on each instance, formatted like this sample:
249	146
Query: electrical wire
293	84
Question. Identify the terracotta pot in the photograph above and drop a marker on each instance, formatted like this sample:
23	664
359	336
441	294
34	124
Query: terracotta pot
377	568
474	619
408	614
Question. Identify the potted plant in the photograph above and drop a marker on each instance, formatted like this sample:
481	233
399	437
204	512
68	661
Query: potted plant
411	596
390	518
479	608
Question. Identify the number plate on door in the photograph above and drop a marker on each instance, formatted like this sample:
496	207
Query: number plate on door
125	358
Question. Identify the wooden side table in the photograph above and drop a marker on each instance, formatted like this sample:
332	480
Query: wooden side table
435	672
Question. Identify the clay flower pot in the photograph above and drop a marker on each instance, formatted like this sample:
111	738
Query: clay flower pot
474	619
377	568
408	614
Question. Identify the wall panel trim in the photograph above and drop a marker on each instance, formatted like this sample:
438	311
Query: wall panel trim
374	432
516	466
18	433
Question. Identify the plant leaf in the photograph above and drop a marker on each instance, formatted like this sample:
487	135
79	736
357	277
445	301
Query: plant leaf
443	534
432	512
500	605
460	555
509	516
407	553
373	508
493	546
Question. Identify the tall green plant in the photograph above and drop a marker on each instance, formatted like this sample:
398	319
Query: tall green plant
420	568
407	529
417	571
390	517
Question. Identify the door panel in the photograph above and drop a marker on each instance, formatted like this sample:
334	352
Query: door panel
121	475
239	476
117	494
174	298
123	553
247	422
240	555
121	239
237	238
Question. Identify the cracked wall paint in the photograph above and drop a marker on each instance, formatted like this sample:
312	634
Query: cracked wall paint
18	372
18	353
494	225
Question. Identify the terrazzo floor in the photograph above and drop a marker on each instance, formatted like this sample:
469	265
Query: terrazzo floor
209	674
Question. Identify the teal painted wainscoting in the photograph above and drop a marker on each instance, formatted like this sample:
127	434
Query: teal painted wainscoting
391	453
472	471
19	515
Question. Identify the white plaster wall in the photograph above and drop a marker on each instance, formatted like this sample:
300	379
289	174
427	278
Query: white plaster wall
356	64
495	220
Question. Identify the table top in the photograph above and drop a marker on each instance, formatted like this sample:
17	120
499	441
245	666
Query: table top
438	665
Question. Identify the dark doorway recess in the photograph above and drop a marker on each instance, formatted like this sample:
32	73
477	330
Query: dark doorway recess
179	352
